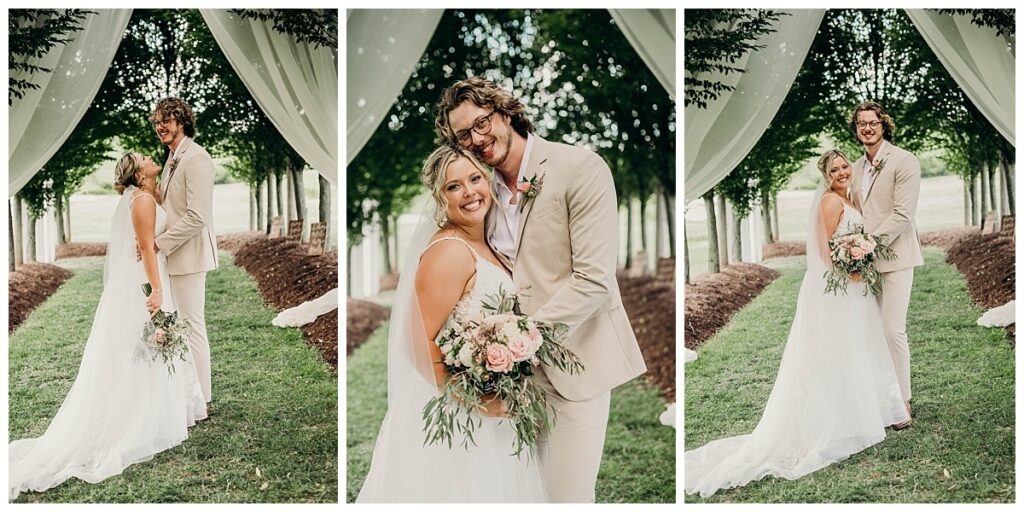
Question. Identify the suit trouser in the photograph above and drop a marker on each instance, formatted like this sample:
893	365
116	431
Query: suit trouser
893	302
190	295
570	454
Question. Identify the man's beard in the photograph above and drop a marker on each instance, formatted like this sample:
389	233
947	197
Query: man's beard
508	149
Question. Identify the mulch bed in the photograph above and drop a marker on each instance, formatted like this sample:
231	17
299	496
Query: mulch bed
233	242
987	264
287	277
650	303
783	249
363	319
29	286
712	299
80	250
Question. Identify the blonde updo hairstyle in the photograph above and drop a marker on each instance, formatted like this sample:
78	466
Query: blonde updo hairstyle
126	173
435	170
825	165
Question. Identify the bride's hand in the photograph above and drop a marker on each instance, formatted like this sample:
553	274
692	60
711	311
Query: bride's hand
492	406
855	277
154	301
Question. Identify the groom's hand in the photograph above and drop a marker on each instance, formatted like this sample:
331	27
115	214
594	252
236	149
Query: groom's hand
138	253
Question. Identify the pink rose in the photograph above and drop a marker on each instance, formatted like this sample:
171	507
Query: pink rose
857	253
521	347
523	186
160	337
499	358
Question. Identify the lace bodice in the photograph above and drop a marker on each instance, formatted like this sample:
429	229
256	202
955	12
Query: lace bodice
850	222
489	279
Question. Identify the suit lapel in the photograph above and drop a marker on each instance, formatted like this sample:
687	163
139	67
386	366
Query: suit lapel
178	155
497	214
535	167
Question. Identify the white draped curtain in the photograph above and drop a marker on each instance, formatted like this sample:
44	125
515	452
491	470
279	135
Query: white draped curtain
40	121
652	33
295	84
384	46
718	137
982	63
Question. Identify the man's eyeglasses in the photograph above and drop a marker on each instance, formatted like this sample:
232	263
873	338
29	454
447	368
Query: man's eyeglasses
161	122
868	124
482	126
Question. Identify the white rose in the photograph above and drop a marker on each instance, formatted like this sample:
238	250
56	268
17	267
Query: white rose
466	355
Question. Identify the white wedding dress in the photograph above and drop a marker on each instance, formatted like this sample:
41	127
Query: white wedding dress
403	469
120	410
835	393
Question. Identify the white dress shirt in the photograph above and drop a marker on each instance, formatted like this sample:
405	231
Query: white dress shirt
506	229
869	171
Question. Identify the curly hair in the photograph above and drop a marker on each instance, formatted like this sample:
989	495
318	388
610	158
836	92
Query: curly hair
177	109
484	94
435	169
888	127
125	172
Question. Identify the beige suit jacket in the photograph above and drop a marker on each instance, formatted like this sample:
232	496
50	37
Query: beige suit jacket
891	204
566	257
188	241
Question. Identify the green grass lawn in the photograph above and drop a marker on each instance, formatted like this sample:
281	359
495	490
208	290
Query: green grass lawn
275	401
639	454
963	381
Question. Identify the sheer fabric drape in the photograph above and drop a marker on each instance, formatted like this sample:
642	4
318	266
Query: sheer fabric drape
295	84
982	63
40	122
720	136
652	32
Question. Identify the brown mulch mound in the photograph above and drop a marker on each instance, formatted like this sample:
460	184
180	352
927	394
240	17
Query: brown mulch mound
782	249
947	238
235	241
287	277
650	303
987	264
29	286
80	250
713	298
363	319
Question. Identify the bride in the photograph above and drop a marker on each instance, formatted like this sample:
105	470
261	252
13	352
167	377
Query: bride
836	390
120	410
452	271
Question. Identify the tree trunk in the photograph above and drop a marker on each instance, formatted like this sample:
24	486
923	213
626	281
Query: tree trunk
643	224
30	250
737	237
279	197
325	208
670	219
10	238
58	217
261	213
713	261
723	229
300	194
995	182
968	204
766	216
272	200
686	257
67	219
1005	168
976	200
985	205
385	241
253	218
659	238
993	188
394	235
629	233
776	236
19	233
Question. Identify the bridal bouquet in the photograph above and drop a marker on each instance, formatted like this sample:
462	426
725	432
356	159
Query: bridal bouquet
164	337
856	252
490	355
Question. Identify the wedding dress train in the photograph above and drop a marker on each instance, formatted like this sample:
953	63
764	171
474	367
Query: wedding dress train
120	410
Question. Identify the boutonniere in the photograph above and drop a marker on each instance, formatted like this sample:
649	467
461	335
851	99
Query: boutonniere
878	165
174	165
529	188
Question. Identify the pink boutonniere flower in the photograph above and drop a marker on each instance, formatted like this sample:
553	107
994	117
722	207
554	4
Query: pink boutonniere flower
529	188
878	165
174	165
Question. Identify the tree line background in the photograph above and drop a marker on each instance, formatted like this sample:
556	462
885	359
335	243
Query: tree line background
857	55
582	83
164	52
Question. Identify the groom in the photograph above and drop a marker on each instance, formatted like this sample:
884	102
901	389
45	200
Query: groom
555	226
886	183
187	189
